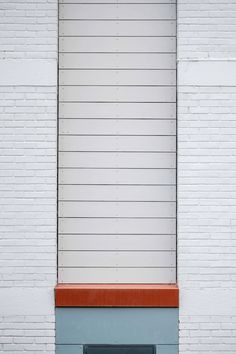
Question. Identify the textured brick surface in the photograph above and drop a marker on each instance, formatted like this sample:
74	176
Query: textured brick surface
206	29
206	179
28	29
207	218
28	126
206	183
27	184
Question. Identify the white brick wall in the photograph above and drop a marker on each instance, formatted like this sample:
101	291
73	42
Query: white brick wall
206	176
28	120
207	29
28	29
27	334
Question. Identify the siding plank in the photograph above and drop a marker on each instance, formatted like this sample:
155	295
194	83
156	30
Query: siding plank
117	242
116	259
117	94
117	275
118	110
116	193
117	143
117	11
117	176
117	28
116	160
116	1
116	209
117	226
117	44
117	127
117	61
117	77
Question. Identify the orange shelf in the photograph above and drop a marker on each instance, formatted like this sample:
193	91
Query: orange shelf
117	295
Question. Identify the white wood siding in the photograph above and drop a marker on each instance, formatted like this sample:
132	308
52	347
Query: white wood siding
117	143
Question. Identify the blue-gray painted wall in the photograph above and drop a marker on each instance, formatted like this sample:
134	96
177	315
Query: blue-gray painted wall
78	326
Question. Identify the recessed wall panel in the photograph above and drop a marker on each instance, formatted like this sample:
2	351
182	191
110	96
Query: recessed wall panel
117	141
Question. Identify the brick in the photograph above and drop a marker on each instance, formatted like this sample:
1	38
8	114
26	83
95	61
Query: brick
28	124
206	181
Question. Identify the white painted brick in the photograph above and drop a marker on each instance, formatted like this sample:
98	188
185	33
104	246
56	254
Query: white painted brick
206	29
206	178
28	29
28	135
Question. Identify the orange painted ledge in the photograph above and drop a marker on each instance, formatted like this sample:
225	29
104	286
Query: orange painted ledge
117	295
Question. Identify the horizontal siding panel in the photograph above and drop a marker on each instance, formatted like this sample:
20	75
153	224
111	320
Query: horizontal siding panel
116	226
117	77
117	11
117	242
117	28
117	275
117	94
117	143
116	160
116	259
117	176
118	110
117	61
117	193
117	127
117	44
116	209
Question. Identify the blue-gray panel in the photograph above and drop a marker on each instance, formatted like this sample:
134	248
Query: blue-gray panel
167	349
69	349
116	326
